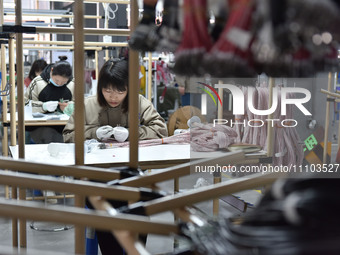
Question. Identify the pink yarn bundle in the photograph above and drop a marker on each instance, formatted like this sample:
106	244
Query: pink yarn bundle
287	143
206	137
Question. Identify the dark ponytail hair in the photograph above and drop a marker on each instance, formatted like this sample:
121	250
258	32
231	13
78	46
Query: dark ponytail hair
62	68
124	53
114	74
38	65
62	58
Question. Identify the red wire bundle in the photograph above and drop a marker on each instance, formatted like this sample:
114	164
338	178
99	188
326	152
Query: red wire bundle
231	55
196	40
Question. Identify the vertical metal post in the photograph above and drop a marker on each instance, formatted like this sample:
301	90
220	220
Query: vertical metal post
155	87
335	84
13	126
4	118
216	202
20	109
149	86
219	106
270	129
217	176
12	99
325	141
3	86
4	98
79	109
97	64
20	82
106	25
133	92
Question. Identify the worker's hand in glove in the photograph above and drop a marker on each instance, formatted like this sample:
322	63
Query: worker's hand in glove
120	134
50	106
104	132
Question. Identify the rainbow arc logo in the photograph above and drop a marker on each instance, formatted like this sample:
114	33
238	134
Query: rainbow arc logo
204	97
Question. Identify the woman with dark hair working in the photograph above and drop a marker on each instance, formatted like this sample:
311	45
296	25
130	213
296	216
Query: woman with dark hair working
36	69
52	88
106	114
49	92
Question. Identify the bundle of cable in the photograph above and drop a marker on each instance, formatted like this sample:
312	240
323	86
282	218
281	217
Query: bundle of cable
327	60
231	55
207	137
310	17
169	31
196	41
293	39
301	64
297	217
218	11
144	37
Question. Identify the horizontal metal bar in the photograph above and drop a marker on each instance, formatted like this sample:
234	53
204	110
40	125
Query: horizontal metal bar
337	95
82	217
53	15
59	48
92	173
63	30
37	12
181	170
78	187
42	24
122	44
92	1
209	192
92	31
35	198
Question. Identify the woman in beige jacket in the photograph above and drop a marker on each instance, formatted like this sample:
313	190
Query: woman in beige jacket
109	108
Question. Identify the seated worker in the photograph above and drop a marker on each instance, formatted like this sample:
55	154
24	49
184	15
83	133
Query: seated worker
109	108
36	69
49	92
105	111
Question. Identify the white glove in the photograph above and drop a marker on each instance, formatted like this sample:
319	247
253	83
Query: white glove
50	106
120	134
104	132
